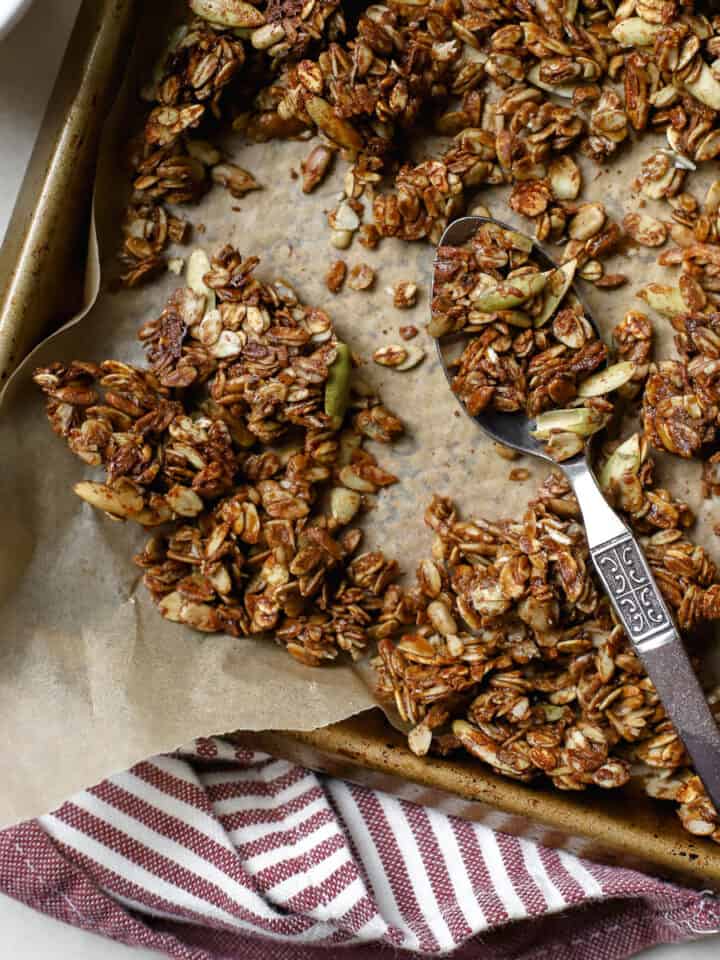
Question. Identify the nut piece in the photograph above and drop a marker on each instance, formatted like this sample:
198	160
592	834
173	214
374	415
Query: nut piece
315	166
405	295
341	239
344	504
409	332
121	501
441	618
335	277
589	220
519	474
184	501
228	13
565	178
343	217
267	36
592	271
667	300
198	265
415	355
361	277
645	230
507	453
636	32
390	356
234	178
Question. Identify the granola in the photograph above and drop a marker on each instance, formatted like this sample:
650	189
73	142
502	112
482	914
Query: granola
242	443
242	424
516	657
530	348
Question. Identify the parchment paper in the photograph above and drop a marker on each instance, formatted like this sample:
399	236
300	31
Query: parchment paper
92	679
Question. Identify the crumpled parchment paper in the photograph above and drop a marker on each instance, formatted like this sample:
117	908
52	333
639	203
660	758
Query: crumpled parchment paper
92	679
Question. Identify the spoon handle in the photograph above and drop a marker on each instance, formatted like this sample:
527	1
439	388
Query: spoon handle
640	606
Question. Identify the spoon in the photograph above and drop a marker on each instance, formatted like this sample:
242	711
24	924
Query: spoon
619	562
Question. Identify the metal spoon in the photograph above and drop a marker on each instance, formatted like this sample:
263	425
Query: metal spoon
620	564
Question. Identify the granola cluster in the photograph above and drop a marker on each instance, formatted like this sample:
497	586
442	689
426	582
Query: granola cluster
242	444
516	655
681	397
529	346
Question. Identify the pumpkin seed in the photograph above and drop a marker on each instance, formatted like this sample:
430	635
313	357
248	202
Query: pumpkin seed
604	381
337	388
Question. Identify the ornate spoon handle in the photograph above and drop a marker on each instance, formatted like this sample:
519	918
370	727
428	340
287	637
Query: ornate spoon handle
643	612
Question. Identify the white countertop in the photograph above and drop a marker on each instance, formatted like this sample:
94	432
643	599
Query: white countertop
29	60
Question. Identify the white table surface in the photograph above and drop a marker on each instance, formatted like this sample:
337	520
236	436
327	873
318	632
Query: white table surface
29	59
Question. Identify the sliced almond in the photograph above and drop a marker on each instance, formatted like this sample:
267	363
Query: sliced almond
171	605
645	230
341	239
339	130
565	178
184	501
174	606
267	35
666	96
636	32
604	381
344	504
711	204
228	13
348	478
441	618
228	344
415	356
157	513
655	189
706	88
210	328
198	265
665	299
420	739
589	220
344	218
516	318
122	500
220	579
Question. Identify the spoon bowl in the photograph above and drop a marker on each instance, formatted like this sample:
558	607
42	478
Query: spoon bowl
512	429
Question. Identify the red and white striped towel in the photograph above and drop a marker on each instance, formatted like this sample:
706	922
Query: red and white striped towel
220	853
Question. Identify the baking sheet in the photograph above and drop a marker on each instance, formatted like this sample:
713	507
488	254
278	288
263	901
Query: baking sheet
91	677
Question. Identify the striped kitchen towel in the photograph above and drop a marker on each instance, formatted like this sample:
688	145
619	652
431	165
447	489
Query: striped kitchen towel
220	853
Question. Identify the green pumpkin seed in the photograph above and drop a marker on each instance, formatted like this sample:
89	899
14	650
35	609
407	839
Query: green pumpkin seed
337	388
